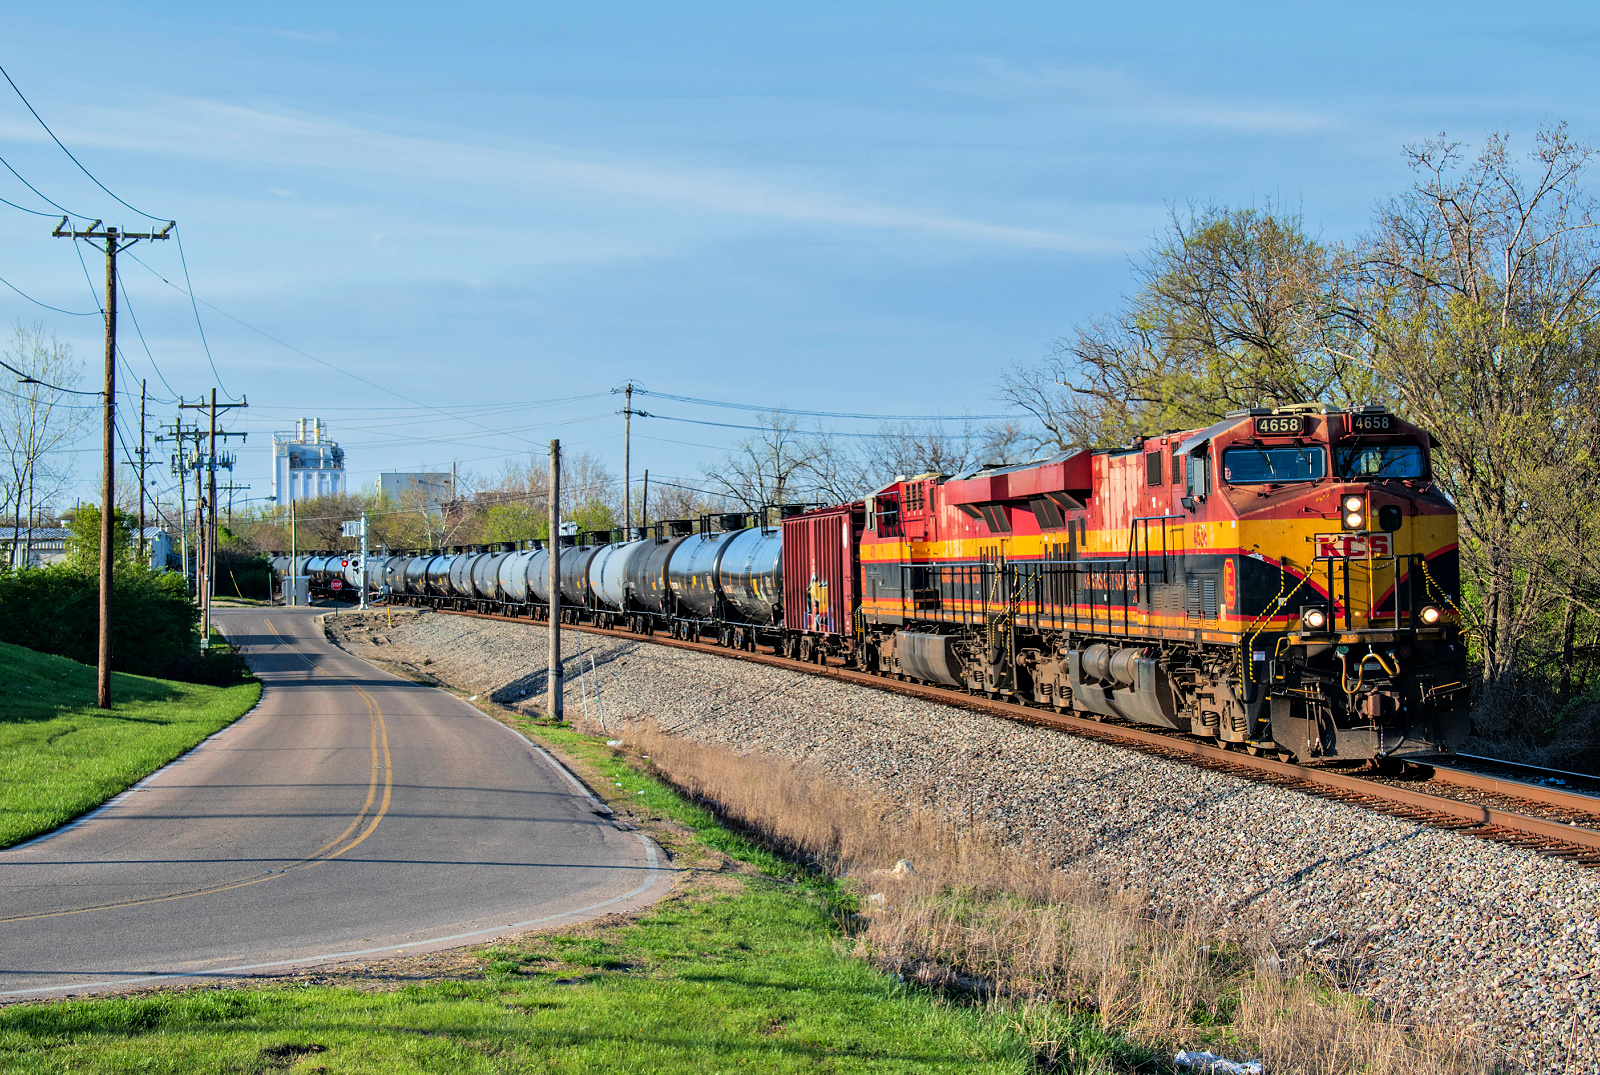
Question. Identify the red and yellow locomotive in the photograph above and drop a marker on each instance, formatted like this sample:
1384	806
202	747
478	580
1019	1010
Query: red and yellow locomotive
1284	579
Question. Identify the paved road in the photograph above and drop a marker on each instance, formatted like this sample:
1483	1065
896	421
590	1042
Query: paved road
351	814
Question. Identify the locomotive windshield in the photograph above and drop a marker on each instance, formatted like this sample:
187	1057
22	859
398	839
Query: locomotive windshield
1374	462
1266	466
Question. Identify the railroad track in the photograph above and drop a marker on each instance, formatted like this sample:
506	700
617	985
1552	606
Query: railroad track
1481	797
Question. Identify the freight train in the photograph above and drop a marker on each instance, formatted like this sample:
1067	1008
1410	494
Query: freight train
1284	580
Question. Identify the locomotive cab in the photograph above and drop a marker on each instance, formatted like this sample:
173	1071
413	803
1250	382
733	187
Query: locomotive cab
1348	575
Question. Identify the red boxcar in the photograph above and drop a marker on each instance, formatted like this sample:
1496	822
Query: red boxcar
822	570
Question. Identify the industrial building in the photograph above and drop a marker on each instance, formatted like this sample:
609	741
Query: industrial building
433	488
306	463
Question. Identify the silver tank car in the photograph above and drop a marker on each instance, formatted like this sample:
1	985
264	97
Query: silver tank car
438	575
648	574
538	576
610	571
486	576
512	576
575	573
417	574
692	571
460	577
394	573
751	574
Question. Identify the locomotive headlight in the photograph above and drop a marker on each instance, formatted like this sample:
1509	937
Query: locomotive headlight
1313	619
1429	615
1354	509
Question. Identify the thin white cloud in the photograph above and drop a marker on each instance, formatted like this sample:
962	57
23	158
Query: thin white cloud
253	138
1116	93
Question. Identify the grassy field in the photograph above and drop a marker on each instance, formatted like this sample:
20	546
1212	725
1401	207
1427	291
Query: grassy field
60	756
748	966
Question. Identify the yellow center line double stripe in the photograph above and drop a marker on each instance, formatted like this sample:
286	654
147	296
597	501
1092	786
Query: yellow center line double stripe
378	746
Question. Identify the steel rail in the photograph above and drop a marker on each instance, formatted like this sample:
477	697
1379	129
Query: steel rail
1579	843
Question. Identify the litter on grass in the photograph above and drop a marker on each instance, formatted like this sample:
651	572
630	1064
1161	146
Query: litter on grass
1209	1063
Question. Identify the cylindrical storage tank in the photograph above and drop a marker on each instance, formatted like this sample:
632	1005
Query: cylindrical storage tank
539	576
486	576
279	565
460	577
394	573
575	573
513	576
648	574
314	567
692	572
751	574
612	569
438	574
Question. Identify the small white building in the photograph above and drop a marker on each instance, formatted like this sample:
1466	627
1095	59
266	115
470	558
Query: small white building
306	463
37	546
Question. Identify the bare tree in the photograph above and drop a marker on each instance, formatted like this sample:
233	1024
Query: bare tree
36	421
773	466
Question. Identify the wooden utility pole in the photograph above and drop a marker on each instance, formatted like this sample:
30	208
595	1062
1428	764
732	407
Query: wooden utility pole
554	710
627	463
207	519
114	240
144	557
181	466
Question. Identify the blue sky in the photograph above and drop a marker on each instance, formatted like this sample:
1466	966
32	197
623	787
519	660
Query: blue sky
862	207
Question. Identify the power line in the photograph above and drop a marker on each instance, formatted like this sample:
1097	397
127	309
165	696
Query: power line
29	379
70	157
36	302
135	317
314	358
822	414
37	191
797	431
192	305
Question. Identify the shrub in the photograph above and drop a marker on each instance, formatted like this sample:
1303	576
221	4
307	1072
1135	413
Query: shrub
57	610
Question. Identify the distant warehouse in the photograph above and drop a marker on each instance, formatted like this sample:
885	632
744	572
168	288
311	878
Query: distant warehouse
433	489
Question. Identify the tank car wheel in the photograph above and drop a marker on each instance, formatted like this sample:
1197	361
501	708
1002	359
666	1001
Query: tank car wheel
1286	756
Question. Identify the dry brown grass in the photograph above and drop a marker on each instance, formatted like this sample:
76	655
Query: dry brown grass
1038	943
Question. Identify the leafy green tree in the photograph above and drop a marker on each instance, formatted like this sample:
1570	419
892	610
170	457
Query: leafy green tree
1235	308
83	540
1476	298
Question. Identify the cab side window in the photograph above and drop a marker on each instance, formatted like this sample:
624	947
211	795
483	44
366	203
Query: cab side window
1199	473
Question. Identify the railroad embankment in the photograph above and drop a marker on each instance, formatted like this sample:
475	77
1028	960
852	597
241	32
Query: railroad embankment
1432	927
60	756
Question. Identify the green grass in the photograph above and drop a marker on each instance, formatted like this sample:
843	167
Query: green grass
743	969
60	756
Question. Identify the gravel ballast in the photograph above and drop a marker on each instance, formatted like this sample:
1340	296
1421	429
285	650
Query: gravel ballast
1430	923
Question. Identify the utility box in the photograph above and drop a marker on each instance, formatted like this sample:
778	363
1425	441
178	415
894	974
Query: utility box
297	590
